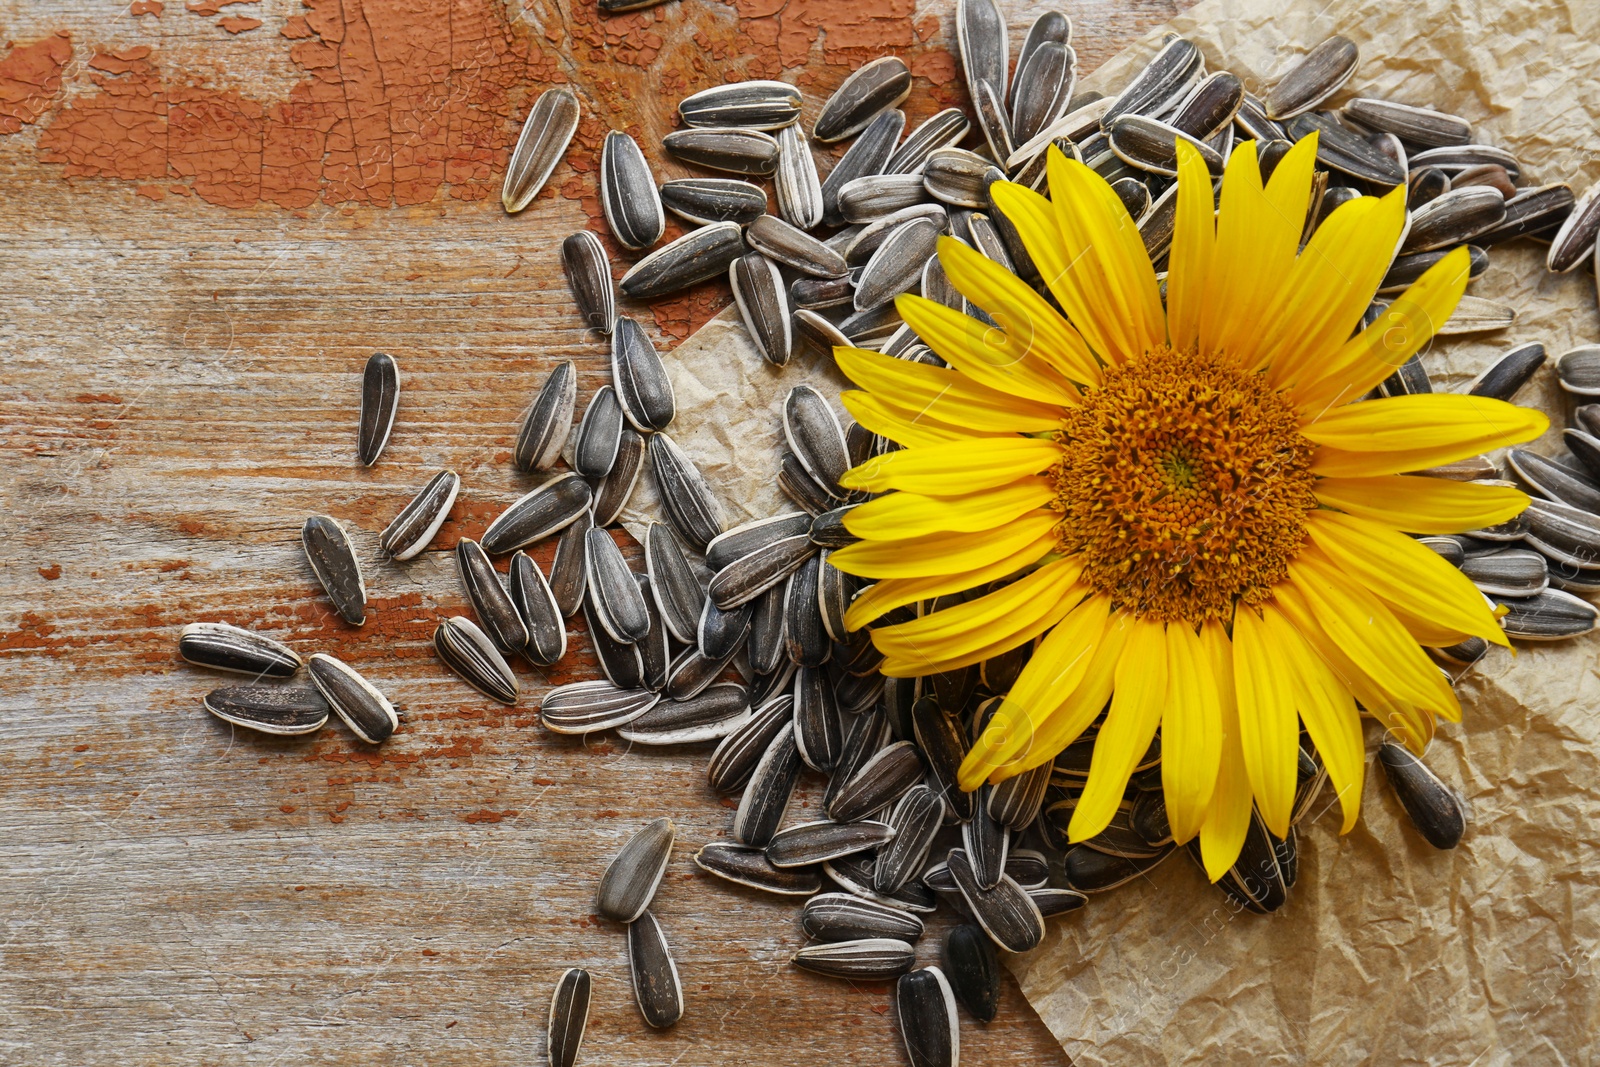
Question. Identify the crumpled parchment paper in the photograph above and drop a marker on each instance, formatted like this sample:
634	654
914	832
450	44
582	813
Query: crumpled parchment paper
1388	951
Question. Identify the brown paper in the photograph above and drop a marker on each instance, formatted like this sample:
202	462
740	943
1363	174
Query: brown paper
1388	951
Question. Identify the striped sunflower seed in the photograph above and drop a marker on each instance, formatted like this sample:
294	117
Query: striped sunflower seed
881	781
1585	447
1346	152
1017	805
1045	77
469	652
421	518
861	247
828	529
982	41
1551	480
735	758
720	634
736	151
589	277
644	391
1552	615
854	874
568	568
756	105
594	450
993	119
955	176
538	514
1163	82
1425	185
865	733
765	646
333	561
584	707
868	154
656	987
655	649
798	187
1432	807
820	294
628	194
618	605
763	301
808	843
687	500
766	796
944	746
1134	194
1473	314
1006	912
1512	573
973	970
1315	77
367	712
862	97
947	127
1151	145
876	196
753	574
1531	212
1490	176
1089	870
633	875
813	433
1454	218
1578	370
569	1017
800	487
537	607
285	710
812	331
1050	27
612	493
707	200
1406	269
805	639
917	818
782	242
928	1024
1252	121
986	841
843	917
1453	159
489	598
621	662
545	136
749	866
896	266
866	959
678	590
692	671
380	399
224	647
1210	107
818	728
549	422
697	255
1420	126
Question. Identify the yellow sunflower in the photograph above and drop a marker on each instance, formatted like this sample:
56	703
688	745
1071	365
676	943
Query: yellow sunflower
1205	522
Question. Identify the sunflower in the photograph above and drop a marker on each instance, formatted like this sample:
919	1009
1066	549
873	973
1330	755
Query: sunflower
1187	503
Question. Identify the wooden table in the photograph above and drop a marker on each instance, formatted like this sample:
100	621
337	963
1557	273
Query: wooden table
213	215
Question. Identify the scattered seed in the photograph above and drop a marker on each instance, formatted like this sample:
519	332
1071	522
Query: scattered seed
813	842
469	652
697	255
544	139
612	494
549	422
285	710
843	917
569	569
1433	808
490	600
928	1024
589	277
685	497
798	187
867	959
569	1016
223	647
584	707
749	866
628	193
766	797
541	614
1318	74
367	712
618	605
757	105
631	879
421	518
947	127
333	561
655	975
733	150
763	301
782	242
708	200
537	515
735	759
594	450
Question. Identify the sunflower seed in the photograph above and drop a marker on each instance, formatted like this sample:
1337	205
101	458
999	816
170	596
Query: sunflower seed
1488	176
367	712
798	187
813	331
1454	218
1406	269
993	119
1584	446
763	302
1533	211
631	879
1257	873
1578	370
589	277
1552	615
549	422
1315	77
1015	802
1134	194
1005	911
1089	870
380	399
469	652
643	390
1346	152
655	648
835	589
735	151
944	746
612	493
736	756
538	514
1157	225
843	917
866	242
697	255
1042	88
854	874
896	266
828	529
1420	126
760	570
865	733
764	648
622	663
719	634
1476	315
1453	159
1120	838
1151	145
628	194
656	987
1210	107
863	97
285	710
783	243
678	591
928	1024
1410	379
813	433
758	105
618	604
804	637
1512	573
421	518
981	39
489	598
766	797
584	707
1425	185
230	648
1552	481
813	842
687	500
569	1015
974	970
818	729
986	842
878	196
866	959
545	136
1447	547
568	569
692	671
1252	121
882	780
1148	819
1163	82
1568	579
800	487
708	200
1432	807
820	294
868	155
1050	27
594	450
536	606
955	176
947	127
333	561
749	866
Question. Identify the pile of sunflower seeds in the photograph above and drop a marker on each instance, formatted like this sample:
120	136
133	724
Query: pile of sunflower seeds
736	635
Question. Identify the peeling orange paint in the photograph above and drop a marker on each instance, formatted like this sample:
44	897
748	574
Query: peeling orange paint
30	78
147	7
237	24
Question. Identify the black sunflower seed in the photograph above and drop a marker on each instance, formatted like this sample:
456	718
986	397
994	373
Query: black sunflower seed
380	399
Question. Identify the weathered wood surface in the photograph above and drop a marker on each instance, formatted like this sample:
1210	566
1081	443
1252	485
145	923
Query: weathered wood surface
209	226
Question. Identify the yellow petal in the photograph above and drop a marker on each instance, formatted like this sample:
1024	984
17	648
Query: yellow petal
1054	672
1422	505
901	428
955	467
1329	711
1405	574
983	627
1129	727
1268	729
1397	335
896	516
1452	424
1228	816
1027	318
987	355
943	394
1191	733
1107	258
941	553
1194	238
1331	285
892	593
1086	701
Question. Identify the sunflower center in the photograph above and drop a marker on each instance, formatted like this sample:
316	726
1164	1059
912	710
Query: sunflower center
1184	486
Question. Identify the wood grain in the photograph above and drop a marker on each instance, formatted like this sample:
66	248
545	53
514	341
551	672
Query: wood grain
180	387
